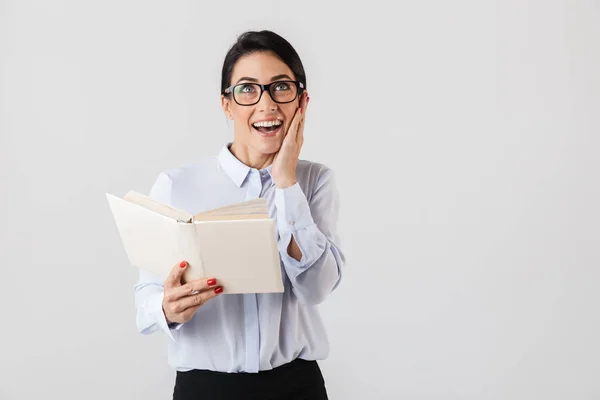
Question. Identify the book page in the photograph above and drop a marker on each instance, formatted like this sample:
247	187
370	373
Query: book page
237	211
242	255
251	206
163	209
231	217
151	240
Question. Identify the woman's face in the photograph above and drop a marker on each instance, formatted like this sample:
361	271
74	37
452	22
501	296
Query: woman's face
275	118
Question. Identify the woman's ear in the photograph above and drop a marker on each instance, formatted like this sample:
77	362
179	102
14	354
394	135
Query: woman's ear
226	104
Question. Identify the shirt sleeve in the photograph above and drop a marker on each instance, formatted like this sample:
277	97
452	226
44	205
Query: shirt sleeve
314	227
149	290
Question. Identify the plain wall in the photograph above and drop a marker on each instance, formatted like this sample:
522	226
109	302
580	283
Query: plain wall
465	136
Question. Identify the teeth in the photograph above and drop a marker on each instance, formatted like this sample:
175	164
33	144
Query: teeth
267	124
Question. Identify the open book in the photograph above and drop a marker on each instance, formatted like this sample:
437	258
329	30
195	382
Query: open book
236	244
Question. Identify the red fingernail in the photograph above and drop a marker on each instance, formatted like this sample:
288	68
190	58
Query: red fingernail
183	264
211	282
219	289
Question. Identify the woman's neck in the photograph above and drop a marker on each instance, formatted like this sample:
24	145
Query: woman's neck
251	157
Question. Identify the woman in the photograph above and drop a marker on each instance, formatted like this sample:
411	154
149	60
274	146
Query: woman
253	346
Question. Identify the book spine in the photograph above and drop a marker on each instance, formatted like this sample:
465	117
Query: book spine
190	251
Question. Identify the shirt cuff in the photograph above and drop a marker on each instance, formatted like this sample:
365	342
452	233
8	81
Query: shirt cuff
155	308
294	218
293	211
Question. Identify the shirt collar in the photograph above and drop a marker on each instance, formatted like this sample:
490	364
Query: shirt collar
234	168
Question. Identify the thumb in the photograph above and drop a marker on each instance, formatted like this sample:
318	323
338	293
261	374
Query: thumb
174	278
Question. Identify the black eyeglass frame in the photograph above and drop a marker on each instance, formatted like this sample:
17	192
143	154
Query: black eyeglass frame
263	88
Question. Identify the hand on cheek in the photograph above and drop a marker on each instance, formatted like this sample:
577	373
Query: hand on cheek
284	165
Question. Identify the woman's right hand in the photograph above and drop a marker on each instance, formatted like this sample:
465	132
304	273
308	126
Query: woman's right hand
180	302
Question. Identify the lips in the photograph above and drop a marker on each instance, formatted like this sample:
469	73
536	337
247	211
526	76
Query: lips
268	127
267	132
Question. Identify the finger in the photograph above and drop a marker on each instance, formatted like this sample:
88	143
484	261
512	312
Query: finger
197	300
300	134
304	101
191	288
189	313
174	278
300	130
293	130
300	139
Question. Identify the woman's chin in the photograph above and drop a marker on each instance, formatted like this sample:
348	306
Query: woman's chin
268	147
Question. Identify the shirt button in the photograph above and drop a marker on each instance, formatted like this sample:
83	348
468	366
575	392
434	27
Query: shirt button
292	222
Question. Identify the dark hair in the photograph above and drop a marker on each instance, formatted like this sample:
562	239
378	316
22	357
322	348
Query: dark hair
254	41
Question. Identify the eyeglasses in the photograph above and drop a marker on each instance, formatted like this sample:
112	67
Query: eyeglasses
248	94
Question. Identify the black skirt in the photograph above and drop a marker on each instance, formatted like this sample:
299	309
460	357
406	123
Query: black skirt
297	380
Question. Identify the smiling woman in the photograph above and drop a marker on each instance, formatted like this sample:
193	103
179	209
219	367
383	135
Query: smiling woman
263	345
262	121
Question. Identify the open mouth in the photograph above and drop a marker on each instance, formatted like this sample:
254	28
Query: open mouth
268	127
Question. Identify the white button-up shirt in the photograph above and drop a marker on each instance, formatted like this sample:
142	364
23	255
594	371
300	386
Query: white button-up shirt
252	332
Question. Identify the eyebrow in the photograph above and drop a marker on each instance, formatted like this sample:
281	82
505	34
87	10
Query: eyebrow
247	78
276	77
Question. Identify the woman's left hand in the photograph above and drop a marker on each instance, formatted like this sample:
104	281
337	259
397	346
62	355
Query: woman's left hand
284	164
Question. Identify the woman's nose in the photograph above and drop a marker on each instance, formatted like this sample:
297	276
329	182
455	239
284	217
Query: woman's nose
266	102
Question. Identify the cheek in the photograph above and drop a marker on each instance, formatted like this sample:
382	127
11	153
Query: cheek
242	117
289	112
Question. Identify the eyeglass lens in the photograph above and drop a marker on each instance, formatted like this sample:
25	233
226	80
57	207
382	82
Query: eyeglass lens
249	93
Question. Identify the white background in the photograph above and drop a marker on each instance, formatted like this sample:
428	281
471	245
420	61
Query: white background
465	136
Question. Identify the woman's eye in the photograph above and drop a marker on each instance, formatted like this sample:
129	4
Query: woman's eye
247	89
282	86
